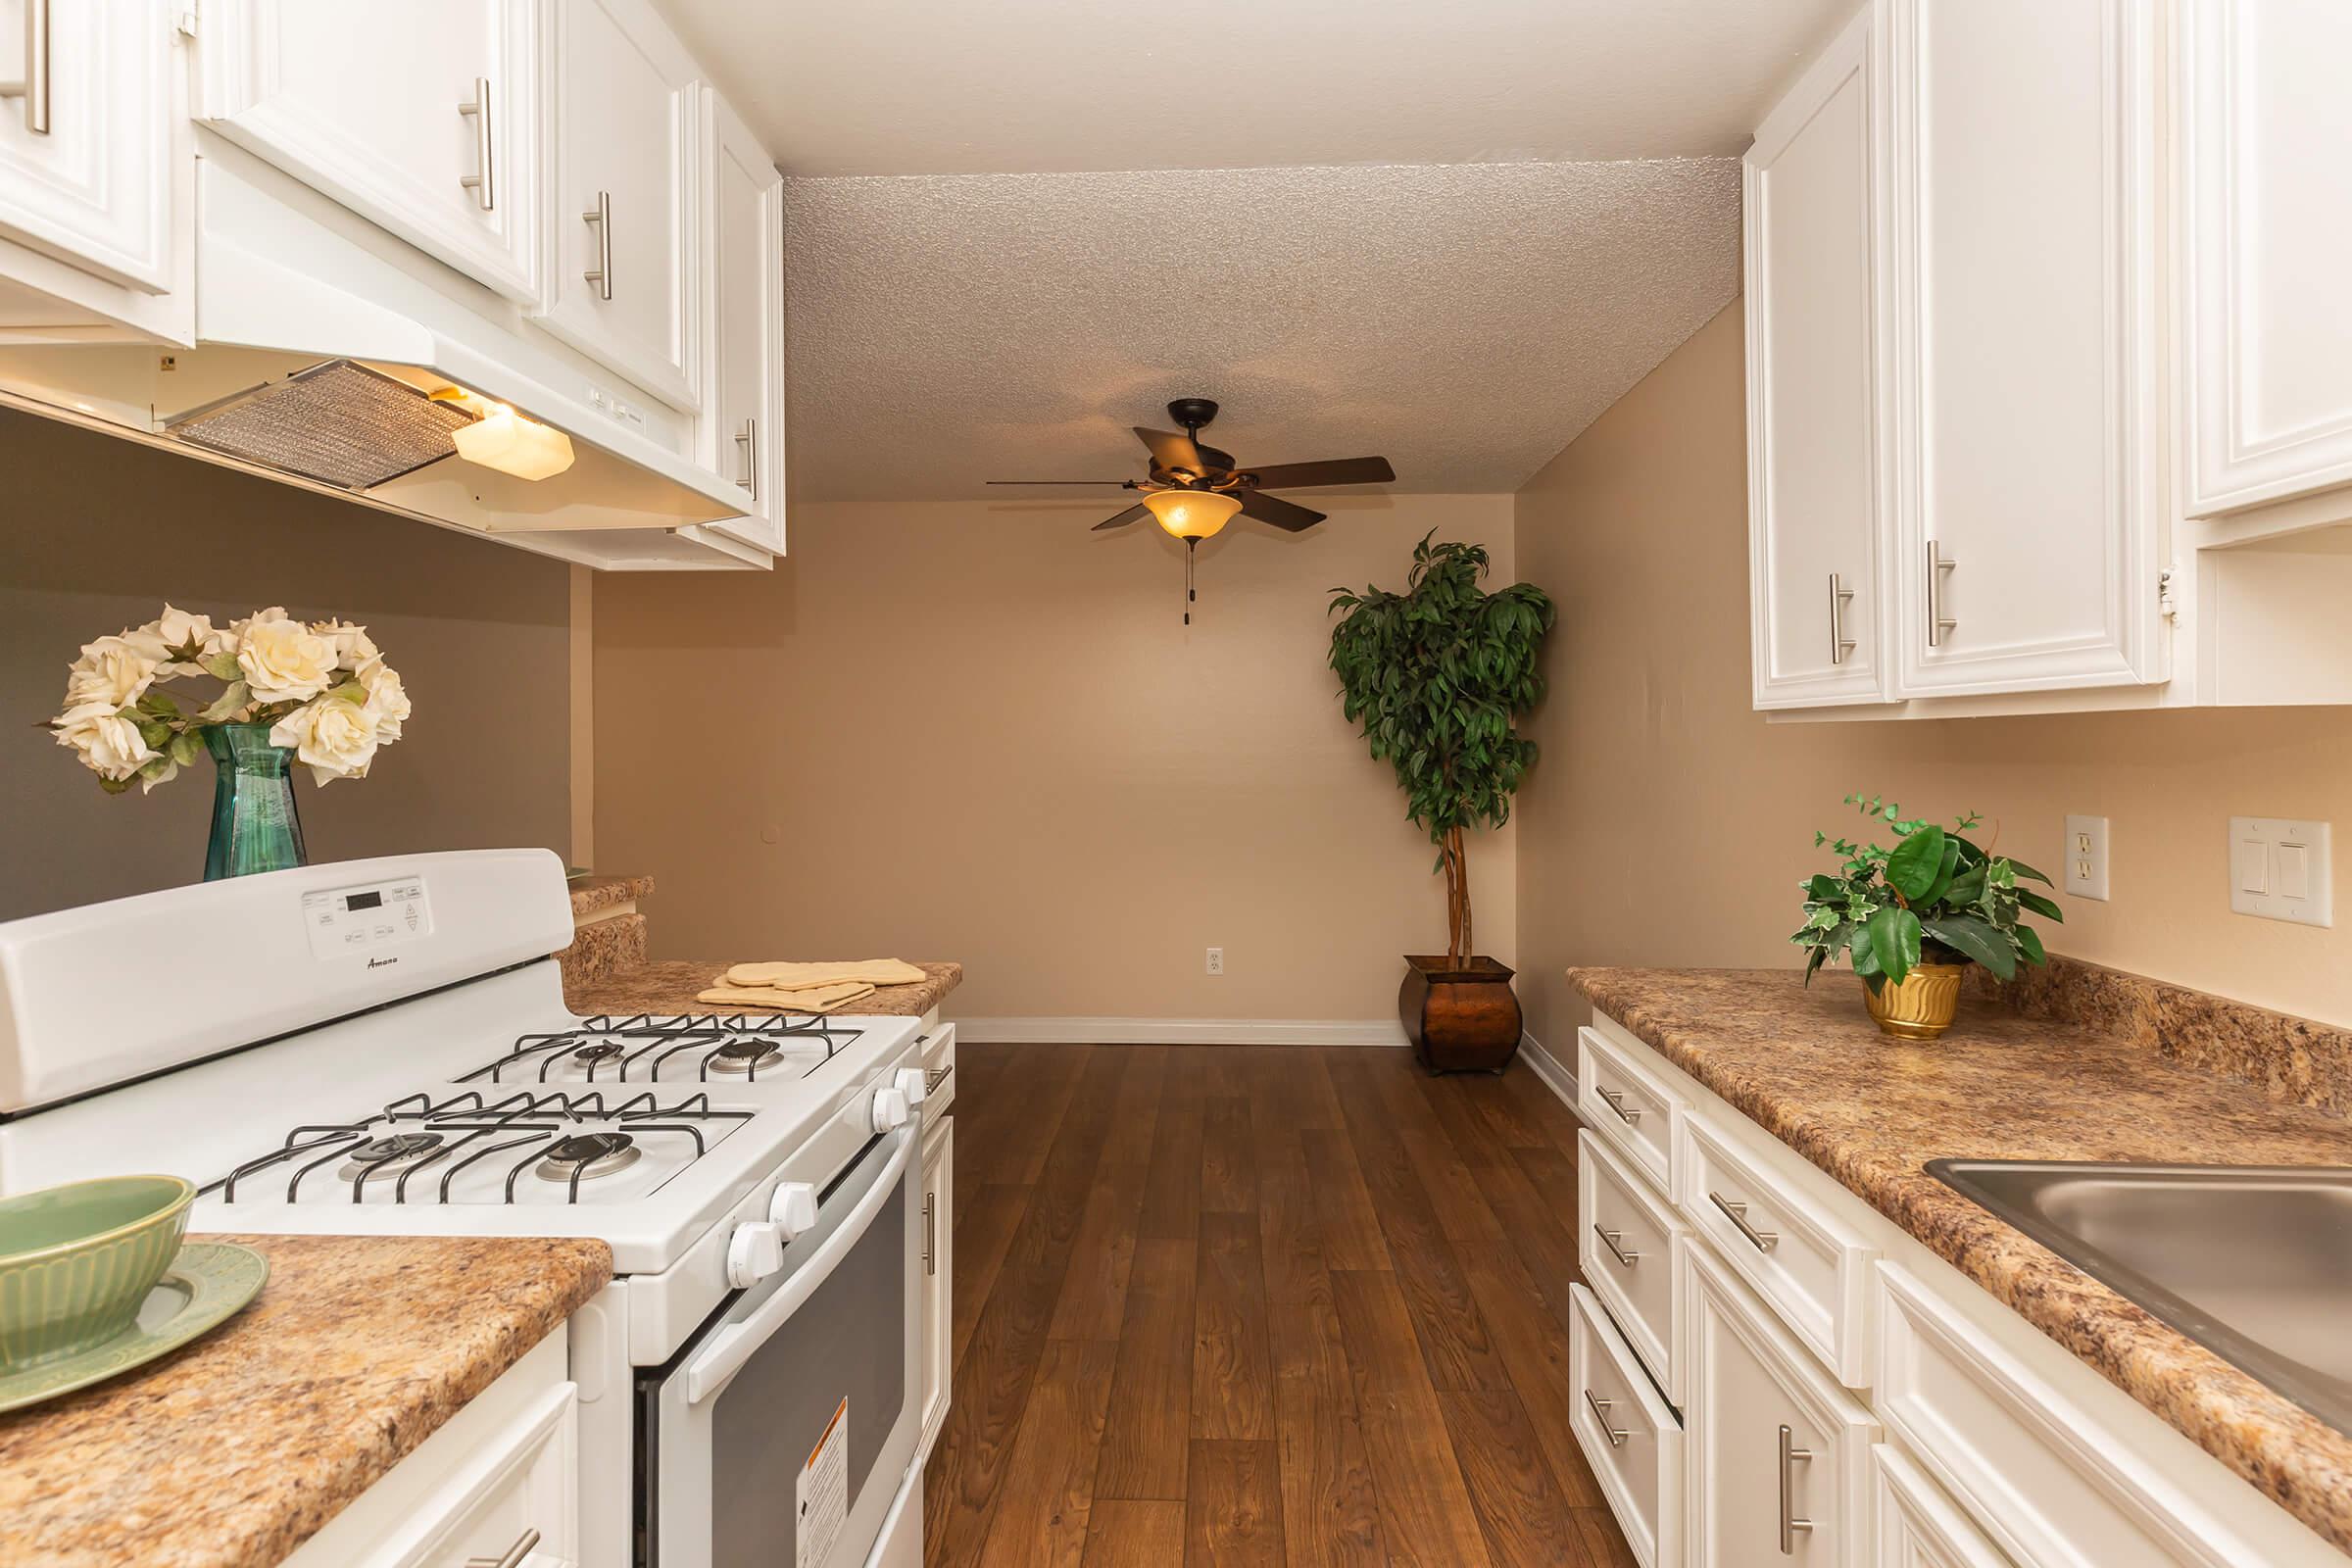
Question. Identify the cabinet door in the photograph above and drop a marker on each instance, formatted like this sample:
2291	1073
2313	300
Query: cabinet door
2027	428
428	129
1776	1453
1813	504
86	136
939	1272
625	226
1917	1527
743	409
2265	124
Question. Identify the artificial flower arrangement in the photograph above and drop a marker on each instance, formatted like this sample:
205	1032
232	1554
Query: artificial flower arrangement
322	688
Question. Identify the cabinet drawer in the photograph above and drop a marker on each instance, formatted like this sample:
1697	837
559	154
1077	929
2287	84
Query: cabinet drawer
1809	1263
1627	1239
938	1048
1917	1525
1778	1454
1628	1105
1629	1435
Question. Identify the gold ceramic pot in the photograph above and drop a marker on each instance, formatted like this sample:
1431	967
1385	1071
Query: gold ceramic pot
1922	1007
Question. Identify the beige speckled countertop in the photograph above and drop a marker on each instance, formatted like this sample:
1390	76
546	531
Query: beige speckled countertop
591	894
1810	1068
669	985
232	1451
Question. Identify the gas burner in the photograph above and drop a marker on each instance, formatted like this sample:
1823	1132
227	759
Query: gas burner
384	1156
598	1051
584	1157
745	1056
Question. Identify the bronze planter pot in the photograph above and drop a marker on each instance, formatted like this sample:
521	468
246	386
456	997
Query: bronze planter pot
1923	1005
1463	1019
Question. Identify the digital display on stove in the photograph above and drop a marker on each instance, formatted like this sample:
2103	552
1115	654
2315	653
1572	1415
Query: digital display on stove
363	900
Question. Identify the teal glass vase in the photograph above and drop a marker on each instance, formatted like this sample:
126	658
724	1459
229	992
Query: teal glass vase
255	826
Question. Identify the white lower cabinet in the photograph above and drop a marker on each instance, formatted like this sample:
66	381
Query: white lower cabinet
1916	1526
1631	1437
939	1271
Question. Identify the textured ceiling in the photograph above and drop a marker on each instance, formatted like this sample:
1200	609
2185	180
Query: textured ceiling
1464	320
1018	86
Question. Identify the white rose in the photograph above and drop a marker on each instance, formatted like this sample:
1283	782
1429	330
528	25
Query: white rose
353	647
387	698
176	631
112	672
110	745
335	738
284	660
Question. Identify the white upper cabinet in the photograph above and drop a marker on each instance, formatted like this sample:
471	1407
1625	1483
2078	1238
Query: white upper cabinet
428	126
743	409
627	260
2027	434
2266	135
1811	347
86	113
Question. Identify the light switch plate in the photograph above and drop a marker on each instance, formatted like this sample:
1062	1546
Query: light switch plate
2086	858
2280	869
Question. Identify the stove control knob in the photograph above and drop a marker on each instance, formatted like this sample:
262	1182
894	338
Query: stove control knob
753	1252
911	1082
792	1210
890	1109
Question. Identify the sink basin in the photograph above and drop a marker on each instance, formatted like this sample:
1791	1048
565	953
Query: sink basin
2252	1262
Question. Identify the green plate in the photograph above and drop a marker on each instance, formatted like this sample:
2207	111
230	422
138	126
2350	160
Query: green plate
201	1289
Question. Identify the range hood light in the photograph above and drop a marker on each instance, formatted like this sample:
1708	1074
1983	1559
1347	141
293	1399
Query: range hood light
512	443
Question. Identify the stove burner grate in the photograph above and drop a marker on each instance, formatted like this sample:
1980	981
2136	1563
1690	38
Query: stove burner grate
739	1044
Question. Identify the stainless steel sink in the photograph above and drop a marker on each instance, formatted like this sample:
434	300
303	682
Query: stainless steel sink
2252	1262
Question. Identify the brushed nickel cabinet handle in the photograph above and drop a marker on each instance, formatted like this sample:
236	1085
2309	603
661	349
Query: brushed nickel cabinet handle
1940	624
1600	1413
1617	1103
600	215
33	85
484	182
1737	1213
513	1556
930	1233
935	1077
1840	643
747	440
1791	1525
1610	1240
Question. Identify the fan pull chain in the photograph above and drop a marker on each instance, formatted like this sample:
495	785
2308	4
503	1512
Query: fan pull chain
1189	545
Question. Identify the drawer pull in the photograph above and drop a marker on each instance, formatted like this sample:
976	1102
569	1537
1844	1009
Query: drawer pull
1790	1457
1617	1103
1609	1240
513	1556
1737	1213
935	1077
930	1233
1615	1434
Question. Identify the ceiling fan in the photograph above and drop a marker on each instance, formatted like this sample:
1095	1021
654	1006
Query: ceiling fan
1193	490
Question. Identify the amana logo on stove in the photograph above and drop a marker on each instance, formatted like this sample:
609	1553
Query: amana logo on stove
378	963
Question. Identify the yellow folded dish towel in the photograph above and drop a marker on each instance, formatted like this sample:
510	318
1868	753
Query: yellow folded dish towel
807	999
802	976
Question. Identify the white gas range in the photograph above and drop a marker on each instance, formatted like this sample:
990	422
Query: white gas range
381	1048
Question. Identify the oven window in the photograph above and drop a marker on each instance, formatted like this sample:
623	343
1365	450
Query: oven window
848	1341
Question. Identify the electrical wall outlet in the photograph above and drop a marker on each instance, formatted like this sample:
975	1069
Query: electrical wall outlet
2280	869
2085	874
1216	960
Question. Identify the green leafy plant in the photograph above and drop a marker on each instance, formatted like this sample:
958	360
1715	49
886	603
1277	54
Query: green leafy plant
1936	898
1435	676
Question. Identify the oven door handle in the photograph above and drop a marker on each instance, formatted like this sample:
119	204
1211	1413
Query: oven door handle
733	1344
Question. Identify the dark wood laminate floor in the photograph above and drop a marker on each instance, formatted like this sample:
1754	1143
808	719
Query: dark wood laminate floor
1277	1305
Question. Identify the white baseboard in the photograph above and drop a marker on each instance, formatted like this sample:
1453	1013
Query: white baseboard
1184	1031
1562	1081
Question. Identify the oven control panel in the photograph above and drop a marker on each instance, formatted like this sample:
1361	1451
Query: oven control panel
364	919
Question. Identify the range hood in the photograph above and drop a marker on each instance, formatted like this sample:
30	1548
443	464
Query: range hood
328	357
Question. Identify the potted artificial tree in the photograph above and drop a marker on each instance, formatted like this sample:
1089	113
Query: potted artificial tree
1435	675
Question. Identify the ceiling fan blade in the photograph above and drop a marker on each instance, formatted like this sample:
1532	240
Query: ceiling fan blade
1338	470
1058	481
1172	451
1276	511
1131	514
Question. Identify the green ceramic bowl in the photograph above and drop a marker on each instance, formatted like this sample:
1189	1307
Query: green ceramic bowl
75	1261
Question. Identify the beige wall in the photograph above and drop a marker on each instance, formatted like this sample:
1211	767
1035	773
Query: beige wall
1669	824
982	732
96	533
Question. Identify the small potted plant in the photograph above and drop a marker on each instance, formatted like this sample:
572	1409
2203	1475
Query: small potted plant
1435	675
1911	918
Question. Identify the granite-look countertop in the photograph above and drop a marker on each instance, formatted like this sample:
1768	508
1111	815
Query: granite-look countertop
1810	1068
669	985
591	894
234	1450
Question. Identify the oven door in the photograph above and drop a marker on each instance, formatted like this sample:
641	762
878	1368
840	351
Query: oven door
779	1435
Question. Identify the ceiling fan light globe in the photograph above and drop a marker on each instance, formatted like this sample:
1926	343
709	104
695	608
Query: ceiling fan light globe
1191	513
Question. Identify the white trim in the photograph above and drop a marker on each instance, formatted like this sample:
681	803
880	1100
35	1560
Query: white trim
1556	1076
1184	1031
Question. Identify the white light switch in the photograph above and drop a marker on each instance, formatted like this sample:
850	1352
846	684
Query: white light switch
2280	869
2086	873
